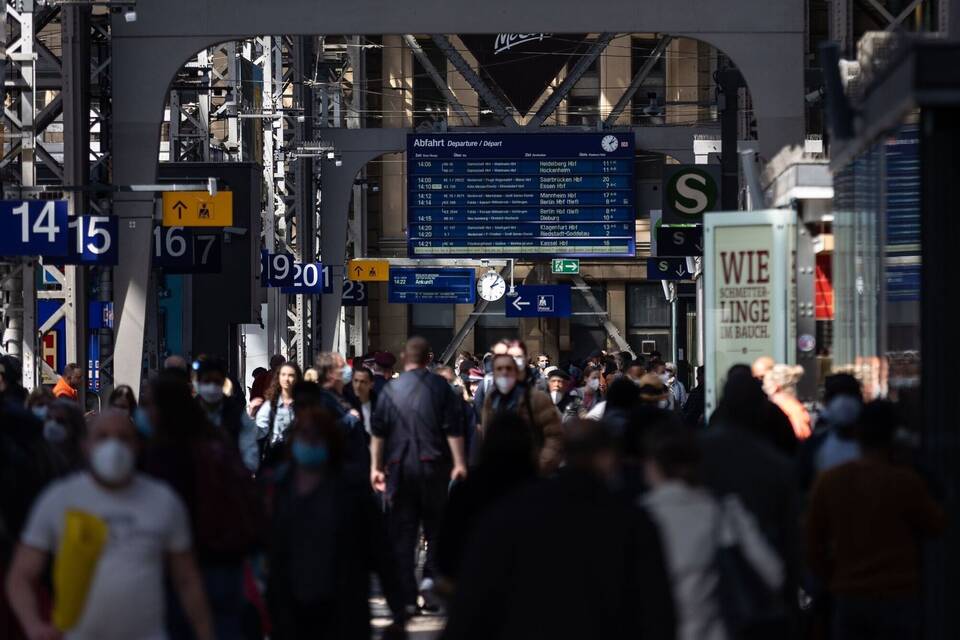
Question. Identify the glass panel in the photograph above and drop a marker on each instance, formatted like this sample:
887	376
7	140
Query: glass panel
646	306
431	316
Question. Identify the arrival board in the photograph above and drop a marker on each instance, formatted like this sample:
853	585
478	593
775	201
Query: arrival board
533	196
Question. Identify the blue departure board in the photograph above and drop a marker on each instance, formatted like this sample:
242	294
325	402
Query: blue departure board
534	196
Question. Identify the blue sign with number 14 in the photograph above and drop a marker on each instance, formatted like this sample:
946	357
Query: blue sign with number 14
33	228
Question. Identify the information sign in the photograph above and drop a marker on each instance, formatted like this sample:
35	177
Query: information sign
366	270
689	191
33	228
197	209
281	270
522	195
540	301
431	285
668	269
680	241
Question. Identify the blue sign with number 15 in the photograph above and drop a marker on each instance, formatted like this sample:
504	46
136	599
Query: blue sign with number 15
33	228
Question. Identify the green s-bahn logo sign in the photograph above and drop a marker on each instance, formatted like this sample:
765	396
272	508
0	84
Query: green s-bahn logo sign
689	191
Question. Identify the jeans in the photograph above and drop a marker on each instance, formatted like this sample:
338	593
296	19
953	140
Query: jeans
859	618
223	585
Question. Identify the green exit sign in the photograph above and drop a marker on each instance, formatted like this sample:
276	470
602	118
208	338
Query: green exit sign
565	265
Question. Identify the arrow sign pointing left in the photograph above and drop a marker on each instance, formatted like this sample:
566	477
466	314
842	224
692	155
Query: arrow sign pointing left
519	304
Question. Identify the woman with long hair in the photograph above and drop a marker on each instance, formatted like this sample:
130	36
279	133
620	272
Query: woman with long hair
276	414
122	398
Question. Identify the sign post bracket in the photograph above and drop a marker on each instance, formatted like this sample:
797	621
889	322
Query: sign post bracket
608	325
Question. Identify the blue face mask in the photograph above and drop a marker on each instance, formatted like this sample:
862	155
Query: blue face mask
142	422
311	456
346	374
40	412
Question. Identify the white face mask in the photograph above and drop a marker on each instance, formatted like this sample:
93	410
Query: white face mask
504	384
54	432
211	392
521	361
112	461
663	404
556	396
593	384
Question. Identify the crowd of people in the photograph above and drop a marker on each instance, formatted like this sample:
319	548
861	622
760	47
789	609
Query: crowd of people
519	498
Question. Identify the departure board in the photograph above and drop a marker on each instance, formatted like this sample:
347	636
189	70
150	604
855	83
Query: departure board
534	196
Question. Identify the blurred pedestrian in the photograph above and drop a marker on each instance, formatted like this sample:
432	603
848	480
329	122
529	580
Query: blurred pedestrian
588	395
69	384
738	459
417	450
326	535
383	364
558	384
678	392
148	532
364	396
263	381
653	391
202	464
123	398
754	411
532	405
564	558
39	401
780	384
834	441
65	430
865	523
11	381
277	413
693	409
226	412
622	397
507	461
695	527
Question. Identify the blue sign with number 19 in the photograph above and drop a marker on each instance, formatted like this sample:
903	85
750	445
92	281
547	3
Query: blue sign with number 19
33	228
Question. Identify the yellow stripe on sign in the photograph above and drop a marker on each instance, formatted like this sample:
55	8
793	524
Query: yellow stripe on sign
363	270
197	209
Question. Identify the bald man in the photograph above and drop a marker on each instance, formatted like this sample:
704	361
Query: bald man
147	528
761	366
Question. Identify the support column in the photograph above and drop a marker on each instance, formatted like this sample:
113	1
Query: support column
615	75
76	172
683	76
464	94
306	199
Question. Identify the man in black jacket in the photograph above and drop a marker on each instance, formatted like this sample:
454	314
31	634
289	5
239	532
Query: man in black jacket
564	558
416	451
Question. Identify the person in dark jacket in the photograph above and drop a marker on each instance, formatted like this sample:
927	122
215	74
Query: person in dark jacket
416	451
326	536
740	459
507	461
564	558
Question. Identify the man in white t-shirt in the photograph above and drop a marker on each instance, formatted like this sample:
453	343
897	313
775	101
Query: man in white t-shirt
148	528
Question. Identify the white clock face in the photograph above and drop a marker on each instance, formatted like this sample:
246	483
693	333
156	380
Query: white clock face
491	286
609	143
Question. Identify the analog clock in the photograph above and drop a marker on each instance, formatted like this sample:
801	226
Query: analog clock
491	286
609	143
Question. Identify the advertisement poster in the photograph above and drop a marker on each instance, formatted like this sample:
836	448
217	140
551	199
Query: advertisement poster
747	258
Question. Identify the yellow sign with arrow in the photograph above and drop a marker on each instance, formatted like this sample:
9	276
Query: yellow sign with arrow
197	209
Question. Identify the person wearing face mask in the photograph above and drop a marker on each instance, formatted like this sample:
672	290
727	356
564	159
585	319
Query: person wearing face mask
226	412
678	392
653	391
533	405
588	395
326	535
336	376
528	374
558	384
64	429
39	401
148	534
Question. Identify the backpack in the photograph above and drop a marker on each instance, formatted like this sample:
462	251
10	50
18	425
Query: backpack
229	516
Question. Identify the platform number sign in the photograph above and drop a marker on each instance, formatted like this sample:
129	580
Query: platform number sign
181	250
354	294
33	228
281	270
93	240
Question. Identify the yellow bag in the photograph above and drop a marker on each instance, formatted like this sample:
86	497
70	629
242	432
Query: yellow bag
84	536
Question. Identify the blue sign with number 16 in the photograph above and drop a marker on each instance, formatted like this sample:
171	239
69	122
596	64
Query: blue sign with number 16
33	228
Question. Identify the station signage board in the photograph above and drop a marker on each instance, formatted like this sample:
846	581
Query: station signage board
689	191
423	285
533	196
368	270
197	209
747	280
33	228
178	250
540	301
661	268
680	241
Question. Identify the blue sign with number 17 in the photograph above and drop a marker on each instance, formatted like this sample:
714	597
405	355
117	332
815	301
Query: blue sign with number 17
33	228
